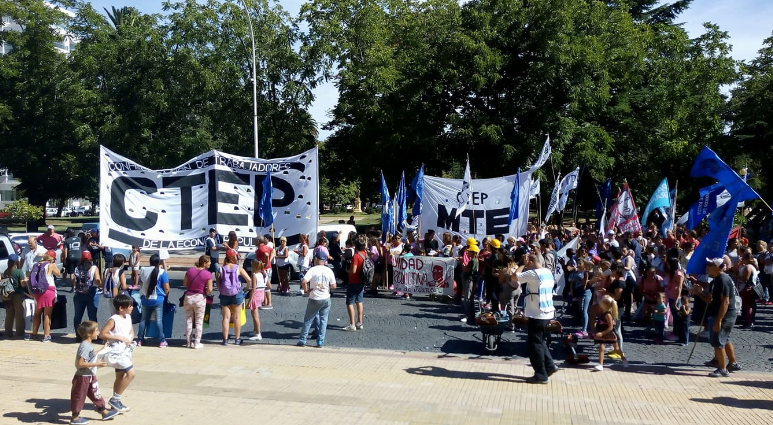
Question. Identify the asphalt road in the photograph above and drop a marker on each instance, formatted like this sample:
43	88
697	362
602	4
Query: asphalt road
430	326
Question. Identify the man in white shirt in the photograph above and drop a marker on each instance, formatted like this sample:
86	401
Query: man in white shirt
320	280
540	311
31	255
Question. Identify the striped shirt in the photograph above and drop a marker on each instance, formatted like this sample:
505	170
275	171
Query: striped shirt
539	293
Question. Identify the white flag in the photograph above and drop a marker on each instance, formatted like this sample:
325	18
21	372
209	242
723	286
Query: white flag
535	188
464	195
558	273
569	182
543	157
554	198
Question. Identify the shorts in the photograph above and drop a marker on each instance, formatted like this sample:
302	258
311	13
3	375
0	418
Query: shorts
721	338
285	267
46	299
354	293
258	296
229	300
71	264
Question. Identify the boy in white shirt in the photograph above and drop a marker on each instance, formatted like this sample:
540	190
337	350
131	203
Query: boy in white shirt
119	330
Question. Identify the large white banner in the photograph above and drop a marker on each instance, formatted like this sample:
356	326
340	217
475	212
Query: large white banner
486	213
174	209
424	275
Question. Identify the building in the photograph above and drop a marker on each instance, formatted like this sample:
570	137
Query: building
65	45
8	192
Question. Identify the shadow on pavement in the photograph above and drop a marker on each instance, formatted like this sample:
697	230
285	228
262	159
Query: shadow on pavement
56	411
757	384
734	402
445	373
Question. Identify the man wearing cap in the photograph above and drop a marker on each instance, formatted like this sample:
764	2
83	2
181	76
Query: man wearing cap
321	281
51	240
14	305
540	311
211	248
31	255
722	313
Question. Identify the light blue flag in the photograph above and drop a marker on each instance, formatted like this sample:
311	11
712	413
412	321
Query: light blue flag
668	213
714	243
401	205
265	209
659	199
514	195
386	203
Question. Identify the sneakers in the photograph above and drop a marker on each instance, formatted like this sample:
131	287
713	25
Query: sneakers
238	342
719	373
300	292
197	346
163	344
300	344
225	342
117	405
581	335
598	368
110	415
27	337
350	328
266	307
552	372
256	337
80	421
614	356
358	326
534	380
139	343
47	338
712	363
734	367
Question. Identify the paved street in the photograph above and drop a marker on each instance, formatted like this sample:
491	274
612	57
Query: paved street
421	325
292	385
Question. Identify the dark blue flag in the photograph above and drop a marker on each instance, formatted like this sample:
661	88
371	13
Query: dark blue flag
401	204
605	201
386	218
265	209
514	198
714	243
417	190
708	164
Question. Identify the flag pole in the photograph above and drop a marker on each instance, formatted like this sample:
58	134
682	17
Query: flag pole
579	180
673	208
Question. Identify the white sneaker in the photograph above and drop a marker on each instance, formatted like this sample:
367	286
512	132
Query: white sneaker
358	326
464	319
197	346
256	337
300	292
598	368
350	328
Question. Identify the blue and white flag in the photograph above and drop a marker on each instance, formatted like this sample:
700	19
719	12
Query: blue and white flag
417	190
711	198
543	157
668	213
569	182
465	193
708	164
534	189
659	199
265	209
386	203
401	207
714	243
554	198
514	198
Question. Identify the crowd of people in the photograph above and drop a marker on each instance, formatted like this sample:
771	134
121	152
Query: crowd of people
611	280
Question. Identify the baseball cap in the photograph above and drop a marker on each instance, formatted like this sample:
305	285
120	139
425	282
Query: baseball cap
320	255
715	261
13	258
85	255
495	243
230	253
611	232
51	227
51	254
471	242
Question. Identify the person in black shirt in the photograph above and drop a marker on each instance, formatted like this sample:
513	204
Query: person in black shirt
722	313
430	243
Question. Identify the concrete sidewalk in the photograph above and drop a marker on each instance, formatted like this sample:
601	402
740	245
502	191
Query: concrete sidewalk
292	385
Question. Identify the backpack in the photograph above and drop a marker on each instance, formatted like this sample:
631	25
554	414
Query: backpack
6	288
368	269
230	285
38	279
83	281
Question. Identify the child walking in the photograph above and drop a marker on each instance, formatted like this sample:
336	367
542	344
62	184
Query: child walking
134	265
84	383
659	318
684	313
605	330
258	286
119	333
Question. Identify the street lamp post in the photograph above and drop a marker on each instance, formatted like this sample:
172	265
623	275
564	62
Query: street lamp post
254	79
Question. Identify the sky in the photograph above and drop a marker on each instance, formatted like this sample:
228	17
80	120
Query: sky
747	21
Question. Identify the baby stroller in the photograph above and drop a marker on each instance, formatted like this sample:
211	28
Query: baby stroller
492	326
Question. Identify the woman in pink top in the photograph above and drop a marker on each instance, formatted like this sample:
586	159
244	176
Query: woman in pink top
674	295
198	284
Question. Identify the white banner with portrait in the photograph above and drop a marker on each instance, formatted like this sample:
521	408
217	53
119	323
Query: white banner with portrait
424	275
174	209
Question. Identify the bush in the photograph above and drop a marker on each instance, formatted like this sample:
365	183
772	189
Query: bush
23	211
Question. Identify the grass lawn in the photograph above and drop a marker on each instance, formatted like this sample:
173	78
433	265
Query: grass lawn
360	218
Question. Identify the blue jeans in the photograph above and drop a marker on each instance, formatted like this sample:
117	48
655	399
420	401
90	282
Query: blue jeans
147	311
660	327
681	324
85	302
314	308
584	305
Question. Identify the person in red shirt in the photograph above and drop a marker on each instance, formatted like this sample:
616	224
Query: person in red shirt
51	240
670	240
356	287
265	254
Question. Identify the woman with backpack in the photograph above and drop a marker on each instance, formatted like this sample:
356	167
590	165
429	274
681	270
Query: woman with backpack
115	279
14	302
43	287
231	295
85	280
154	287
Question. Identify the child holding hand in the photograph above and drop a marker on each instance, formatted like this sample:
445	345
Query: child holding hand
659	317
84	383
684	312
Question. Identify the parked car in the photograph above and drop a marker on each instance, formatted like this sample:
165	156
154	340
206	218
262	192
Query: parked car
51	212
20	245
6	249
77	212
89	226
